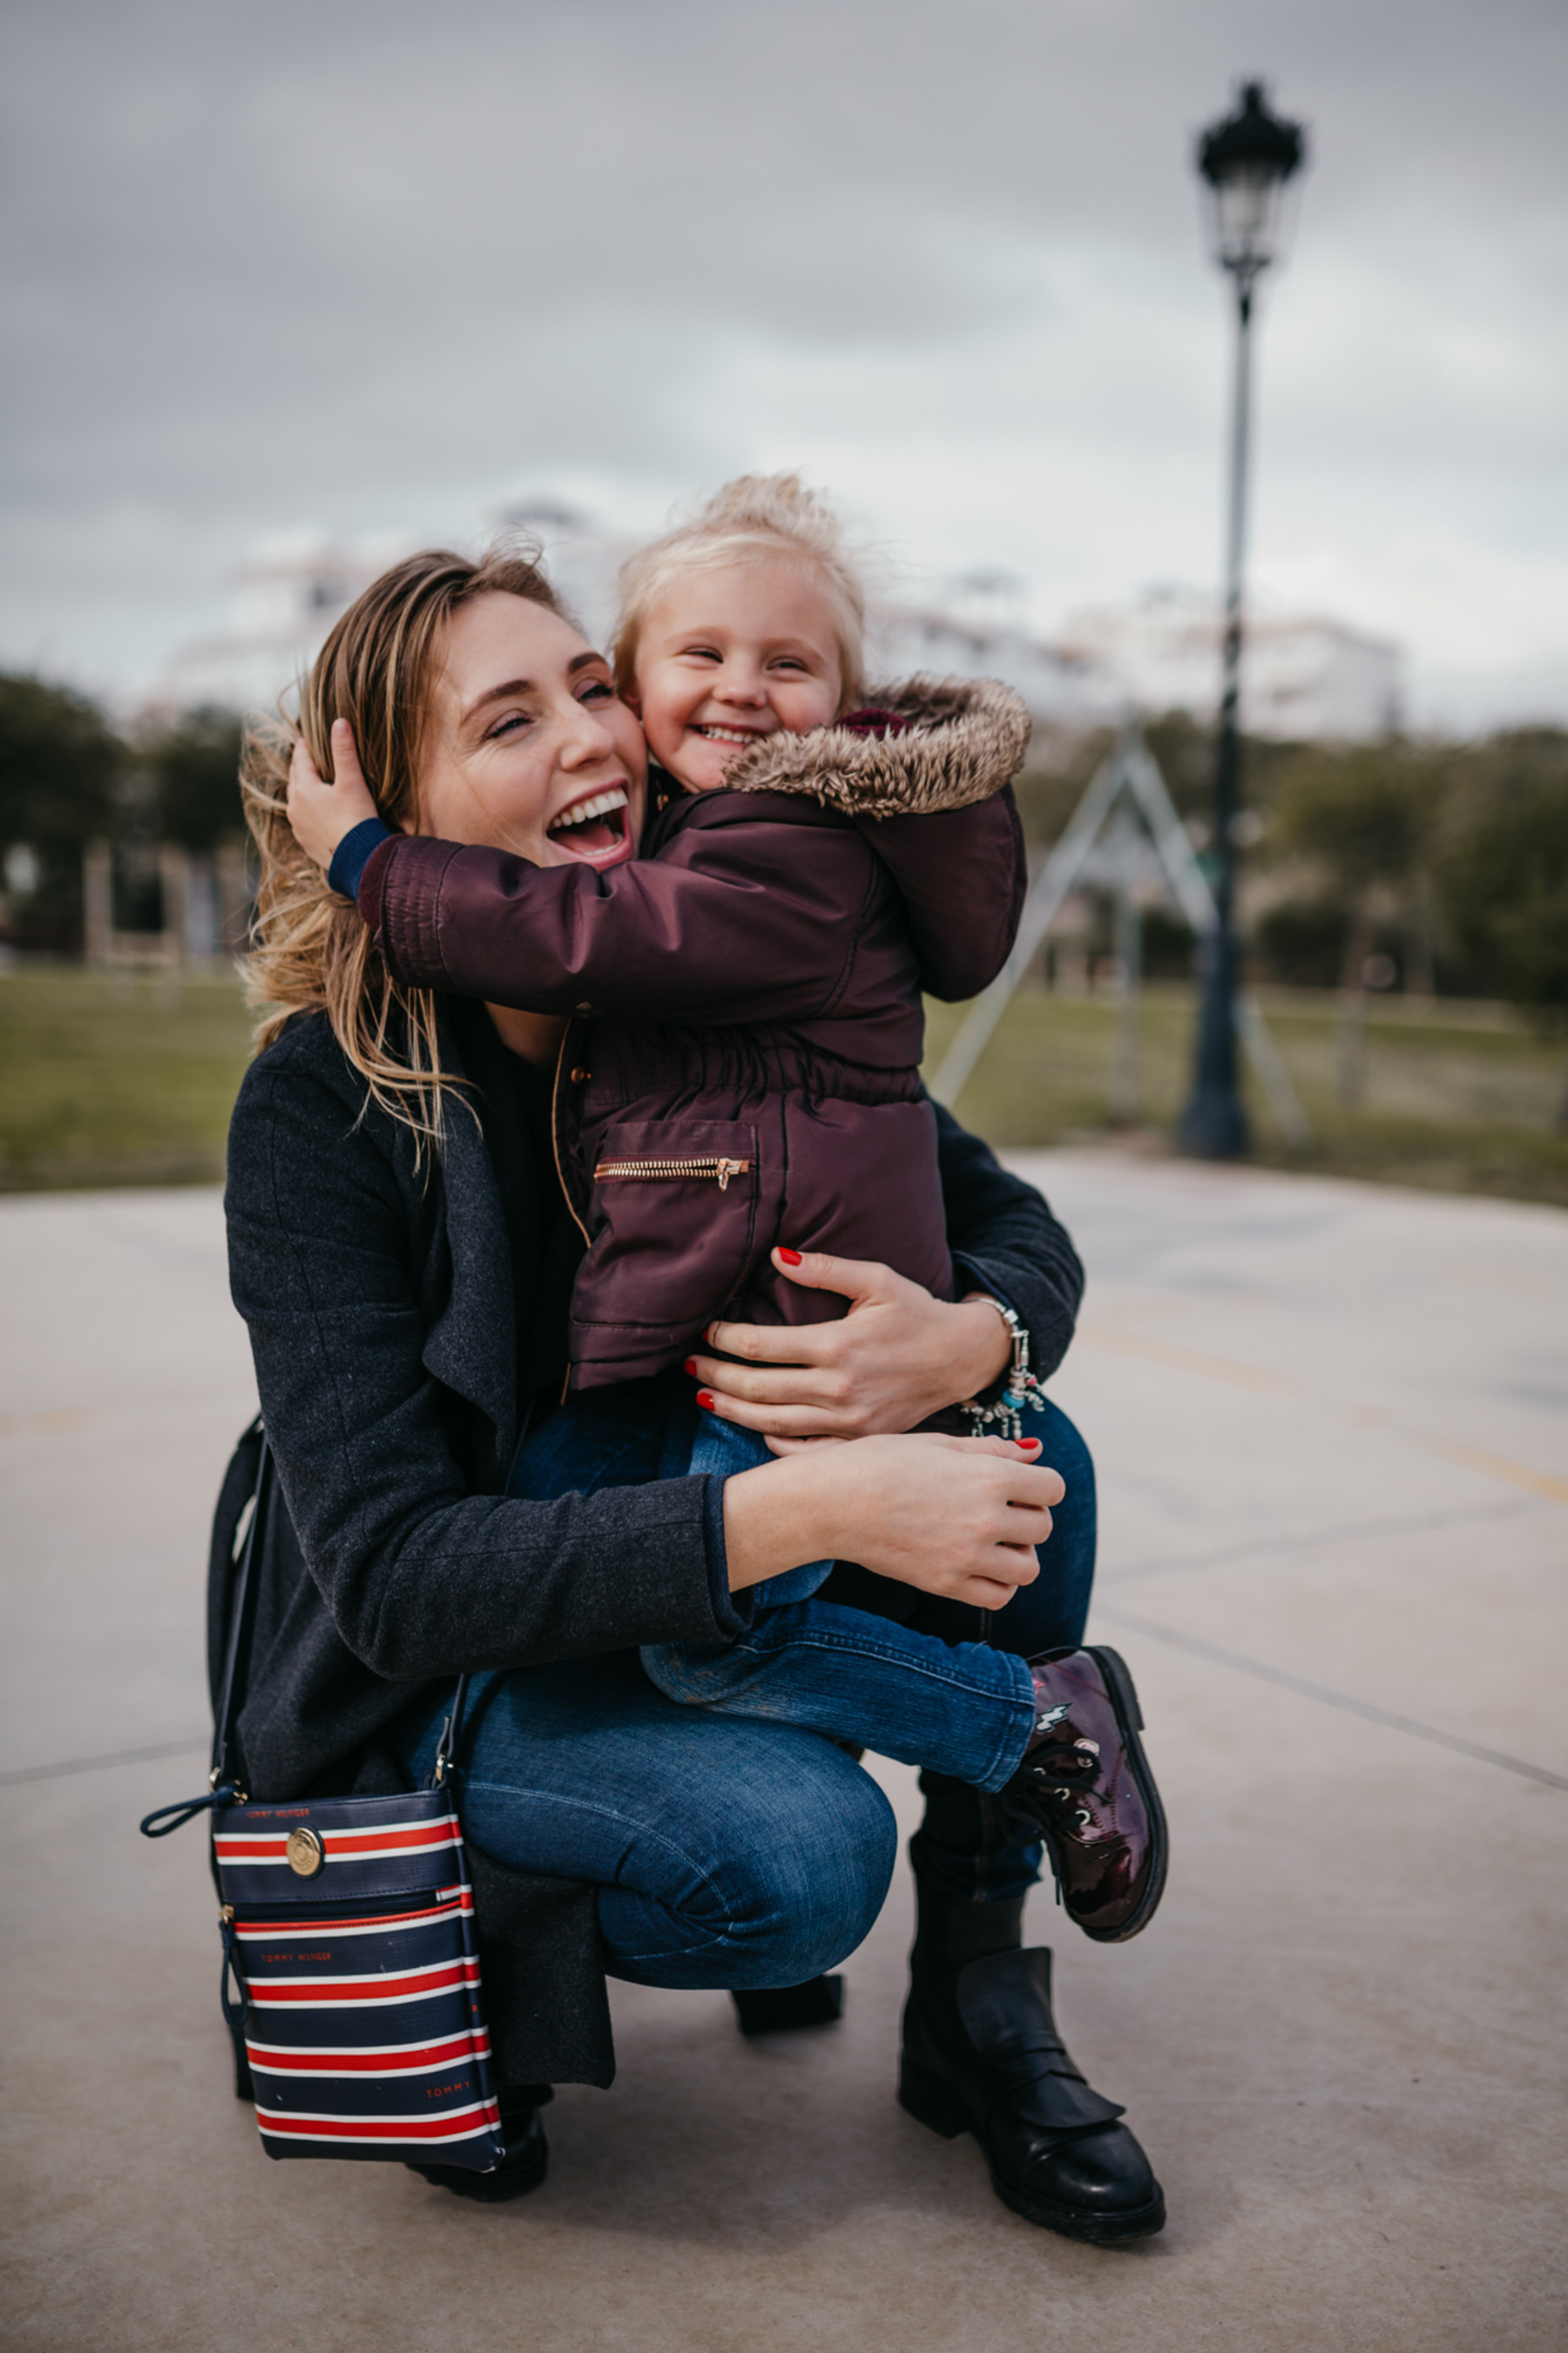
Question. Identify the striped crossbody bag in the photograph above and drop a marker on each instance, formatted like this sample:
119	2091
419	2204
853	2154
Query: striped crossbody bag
351	1974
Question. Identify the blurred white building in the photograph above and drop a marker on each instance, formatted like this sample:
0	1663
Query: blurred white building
1060	686
1303	678
284	599
282	602
583	562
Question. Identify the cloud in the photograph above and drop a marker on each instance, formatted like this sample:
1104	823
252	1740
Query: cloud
371	266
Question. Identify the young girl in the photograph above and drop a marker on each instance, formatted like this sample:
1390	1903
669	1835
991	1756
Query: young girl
739	1083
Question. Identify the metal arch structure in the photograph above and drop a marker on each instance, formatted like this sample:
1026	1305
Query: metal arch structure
1125	831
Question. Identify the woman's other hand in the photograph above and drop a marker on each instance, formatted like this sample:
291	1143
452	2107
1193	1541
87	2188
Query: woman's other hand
898	1357
322	813
956	1516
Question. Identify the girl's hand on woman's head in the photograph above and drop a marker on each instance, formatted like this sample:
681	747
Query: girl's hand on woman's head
322	813
898	1357
956	1516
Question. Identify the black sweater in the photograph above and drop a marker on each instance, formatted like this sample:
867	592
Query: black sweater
384	1305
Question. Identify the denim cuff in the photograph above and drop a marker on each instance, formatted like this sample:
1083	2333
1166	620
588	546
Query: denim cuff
731	1611
353	855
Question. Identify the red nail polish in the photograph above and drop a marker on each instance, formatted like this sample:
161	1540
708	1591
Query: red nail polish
790	1258
690	1366
1029	1445
705	1398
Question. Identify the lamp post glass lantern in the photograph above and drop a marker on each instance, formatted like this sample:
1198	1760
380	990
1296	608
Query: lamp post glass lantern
1244	162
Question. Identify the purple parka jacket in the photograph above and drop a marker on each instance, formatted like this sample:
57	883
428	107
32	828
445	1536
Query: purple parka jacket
742	1067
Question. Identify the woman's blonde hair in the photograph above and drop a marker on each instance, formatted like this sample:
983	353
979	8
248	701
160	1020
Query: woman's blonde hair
309	952
752	518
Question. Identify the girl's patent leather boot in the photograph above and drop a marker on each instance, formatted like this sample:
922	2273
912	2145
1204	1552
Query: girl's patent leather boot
982	2054
1085	1781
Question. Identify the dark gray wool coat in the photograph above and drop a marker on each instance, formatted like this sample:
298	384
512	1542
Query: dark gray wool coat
383	1327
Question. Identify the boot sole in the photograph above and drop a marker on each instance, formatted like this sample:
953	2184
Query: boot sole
1130	1723
780	2009
932	2103
496	2189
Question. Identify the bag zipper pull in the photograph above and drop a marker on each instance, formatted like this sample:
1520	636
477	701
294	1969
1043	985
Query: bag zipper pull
236	2013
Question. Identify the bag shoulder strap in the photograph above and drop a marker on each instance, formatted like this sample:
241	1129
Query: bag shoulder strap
224	1789
451	1735
242	1621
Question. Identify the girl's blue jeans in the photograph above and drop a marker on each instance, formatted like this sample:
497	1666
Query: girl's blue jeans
957	1706
732	1845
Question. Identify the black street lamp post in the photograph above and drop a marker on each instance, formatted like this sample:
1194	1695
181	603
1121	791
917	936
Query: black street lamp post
1246	160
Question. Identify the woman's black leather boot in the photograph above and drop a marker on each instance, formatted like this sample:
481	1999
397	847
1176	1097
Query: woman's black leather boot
779	2010
527	2159
982	2054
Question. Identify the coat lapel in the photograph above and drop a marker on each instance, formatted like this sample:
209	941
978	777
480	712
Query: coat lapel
471	1344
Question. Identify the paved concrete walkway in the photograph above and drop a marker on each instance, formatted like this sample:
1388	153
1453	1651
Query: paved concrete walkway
1331	1425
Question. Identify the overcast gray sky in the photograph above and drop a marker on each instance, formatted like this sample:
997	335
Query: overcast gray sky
372	266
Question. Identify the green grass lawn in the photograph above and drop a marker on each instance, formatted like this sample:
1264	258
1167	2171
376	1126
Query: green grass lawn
1460	1097
116	1081
130	1081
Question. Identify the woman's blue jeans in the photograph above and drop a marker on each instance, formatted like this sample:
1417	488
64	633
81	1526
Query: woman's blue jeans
957	1706
731	1850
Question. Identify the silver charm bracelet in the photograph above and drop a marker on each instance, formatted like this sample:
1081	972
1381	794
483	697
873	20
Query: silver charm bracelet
1022	1389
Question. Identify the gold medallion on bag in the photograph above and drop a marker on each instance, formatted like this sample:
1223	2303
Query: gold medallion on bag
305	1852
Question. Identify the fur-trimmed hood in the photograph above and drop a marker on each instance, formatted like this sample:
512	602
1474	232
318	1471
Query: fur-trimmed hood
964	739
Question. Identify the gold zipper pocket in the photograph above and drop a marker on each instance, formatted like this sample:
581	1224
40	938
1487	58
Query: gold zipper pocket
719	1170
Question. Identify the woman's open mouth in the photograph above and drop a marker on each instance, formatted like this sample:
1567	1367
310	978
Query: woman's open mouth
593	829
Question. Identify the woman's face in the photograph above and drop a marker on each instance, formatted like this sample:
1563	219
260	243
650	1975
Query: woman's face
528	747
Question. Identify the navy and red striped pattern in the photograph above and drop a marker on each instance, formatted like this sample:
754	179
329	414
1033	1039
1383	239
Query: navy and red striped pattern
359	1985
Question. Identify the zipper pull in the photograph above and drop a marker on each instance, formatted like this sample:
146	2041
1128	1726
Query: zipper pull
728	1168
236	2013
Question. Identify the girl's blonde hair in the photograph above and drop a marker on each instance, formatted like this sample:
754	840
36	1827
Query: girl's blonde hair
308	950
752	518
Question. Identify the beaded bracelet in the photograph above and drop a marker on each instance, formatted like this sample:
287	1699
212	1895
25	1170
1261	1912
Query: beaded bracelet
1022	1390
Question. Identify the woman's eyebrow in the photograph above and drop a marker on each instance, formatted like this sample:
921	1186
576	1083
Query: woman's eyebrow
499	694
527	685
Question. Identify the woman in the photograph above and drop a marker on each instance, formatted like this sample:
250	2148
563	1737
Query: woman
403	1256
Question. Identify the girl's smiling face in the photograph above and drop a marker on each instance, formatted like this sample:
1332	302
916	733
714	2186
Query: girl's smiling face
728	656
528	747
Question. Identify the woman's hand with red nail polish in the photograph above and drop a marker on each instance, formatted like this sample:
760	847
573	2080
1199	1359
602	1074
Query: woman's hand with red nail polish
898	1356
959	1518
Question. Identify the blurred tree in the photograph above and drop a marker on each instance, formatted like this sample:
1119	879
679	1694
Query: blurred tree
1184	750
61	767
1050	788
1363	819
1182	747
1502	870
1062	765
1300	942
190	772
